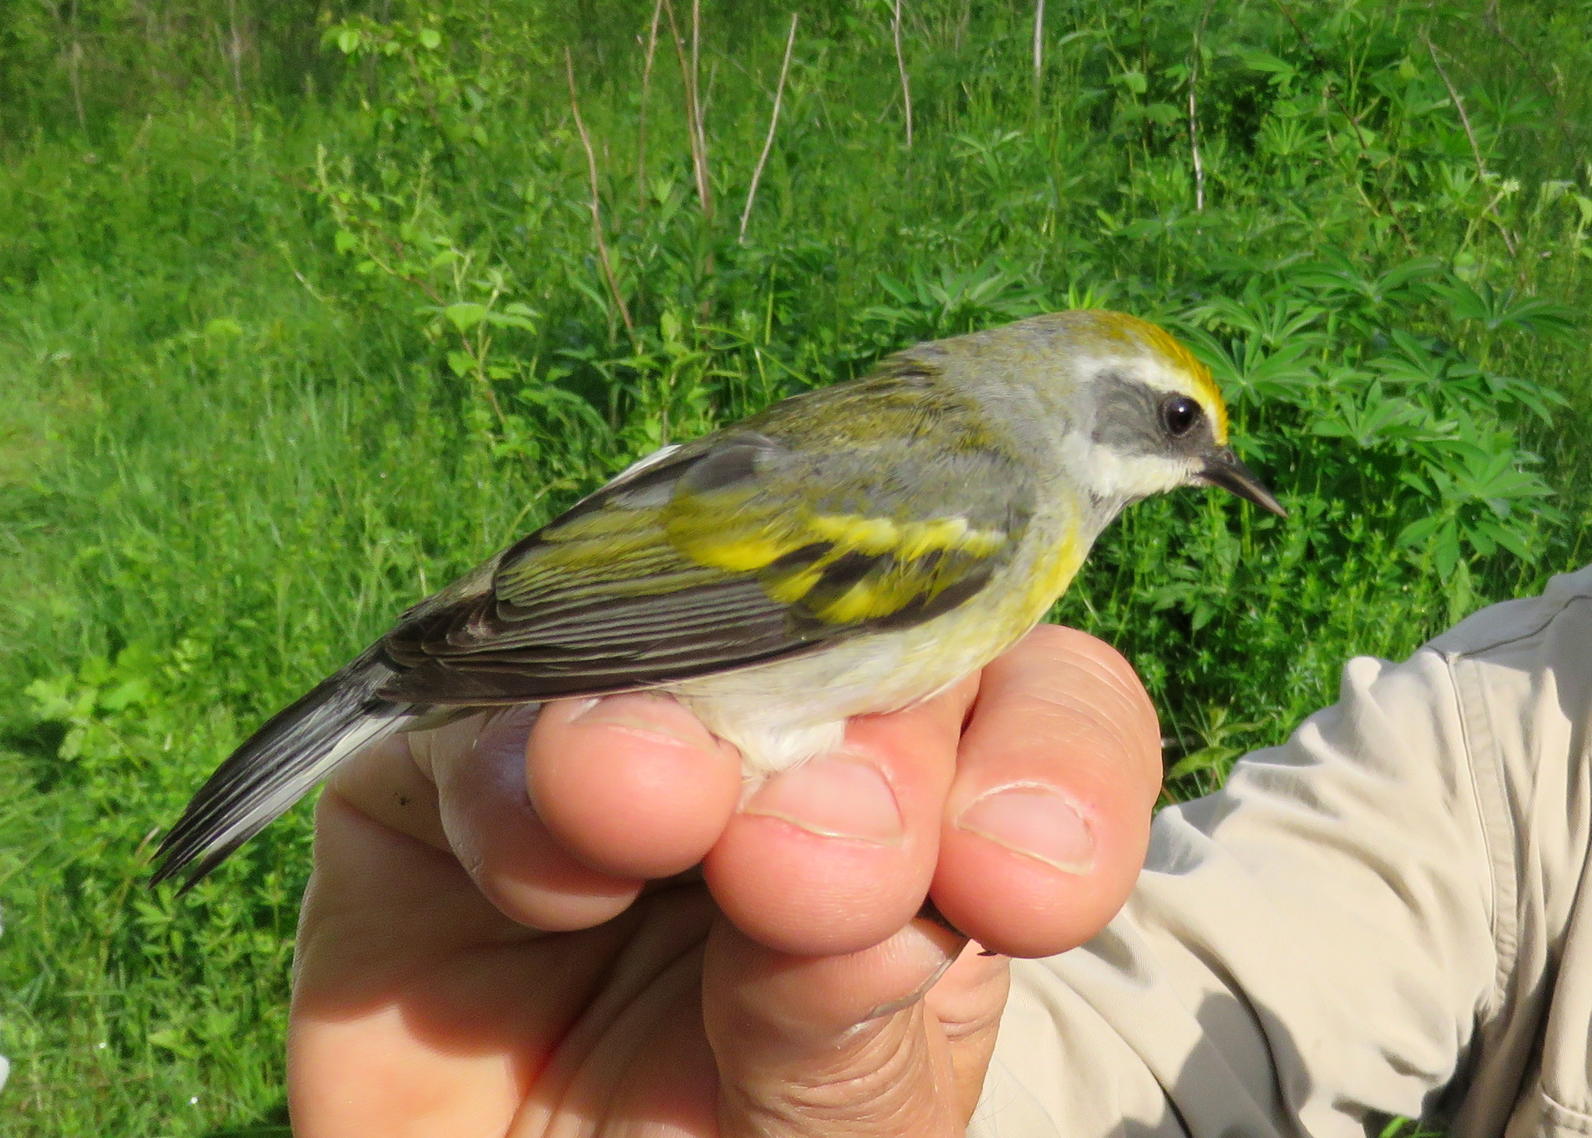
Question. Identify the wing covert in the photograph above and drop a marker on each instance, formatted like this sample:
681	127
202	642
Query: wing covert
736	549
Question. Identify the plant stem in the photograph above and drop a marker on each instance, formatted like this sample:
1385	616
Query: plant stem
773	124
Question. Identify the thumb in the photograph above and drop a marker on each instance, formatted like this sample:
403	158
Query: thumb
891	1040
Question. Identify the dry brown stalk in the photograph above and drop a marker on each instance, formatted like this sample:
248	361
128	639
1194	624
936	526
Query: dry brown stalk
1194	112
595	203
1475	148
641	117
693	103
901	66
1039	40
773	123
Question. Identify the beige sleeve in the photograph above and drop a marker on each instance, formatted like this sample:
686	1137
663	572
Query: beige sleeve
1389	914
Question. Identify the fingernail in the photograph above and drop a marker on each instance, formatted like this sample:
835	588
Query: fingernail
834	796
1033	821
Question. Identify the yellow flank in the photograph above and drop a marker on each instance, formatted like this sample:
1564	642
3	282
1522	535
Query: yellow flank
1054	572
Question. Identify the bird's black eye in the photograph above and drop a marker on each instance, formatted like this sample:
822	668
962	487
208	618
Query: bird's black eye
1179	415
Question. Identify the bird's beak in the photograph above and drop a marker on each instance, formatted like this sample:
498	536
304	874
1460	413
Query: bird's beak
1223	469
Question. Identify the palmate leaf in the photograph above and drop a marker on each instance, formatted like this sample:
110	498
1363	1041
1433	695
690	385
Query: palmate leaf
1505	308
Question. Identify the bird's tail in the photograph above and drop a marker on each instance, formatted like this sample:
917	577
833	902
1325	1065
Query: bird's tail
280	763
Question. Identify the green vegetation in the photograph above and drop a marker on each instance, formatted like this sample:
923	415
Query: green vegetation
304	311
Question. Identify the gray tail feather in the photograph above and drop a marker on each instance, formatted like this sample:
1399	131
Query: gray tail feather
279	764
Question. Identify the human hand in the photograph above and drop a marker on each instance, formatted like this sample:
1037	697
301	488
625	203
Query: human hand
472	964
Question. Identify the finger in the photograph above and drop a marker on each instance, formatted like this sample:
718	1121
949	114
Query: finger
411	997
384	783
966	1004
1049	814
503	842
633	785
837	853
460	789
828	1044
635	1061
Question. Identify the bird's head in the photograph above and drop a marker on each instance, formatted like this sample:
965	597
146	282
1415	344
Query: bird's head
1142	414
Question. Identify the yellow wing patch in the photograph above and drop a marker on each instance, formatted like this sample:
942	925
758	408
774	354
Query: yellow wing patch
735	552
864	601
845	567
904	540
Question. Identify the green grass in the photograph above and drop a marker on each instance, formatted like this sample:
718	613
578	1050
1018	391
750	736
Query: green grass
290	339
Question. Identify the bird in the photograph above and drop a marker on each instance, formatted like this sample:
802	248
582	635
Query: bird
851	549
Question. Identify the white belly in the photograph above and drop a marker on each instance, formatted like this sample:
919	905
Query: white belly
784	713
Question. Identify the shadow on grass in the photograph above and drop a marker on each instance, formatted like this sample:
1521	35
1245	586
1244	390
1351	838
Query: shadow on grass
272	1123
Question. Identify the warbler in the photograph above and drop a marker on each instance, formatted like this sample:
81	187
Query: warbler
852	549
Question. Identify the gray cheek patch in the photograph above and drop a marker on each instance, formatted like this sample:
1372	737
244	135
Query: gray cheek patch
1126	419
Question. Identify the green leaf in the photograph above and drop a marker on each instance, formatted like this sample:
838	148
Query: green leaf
1133	80
1162	114
50	697
465	315
1204	759
1419	532
507	319
1445	550
124	694
1264	61
172	1039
